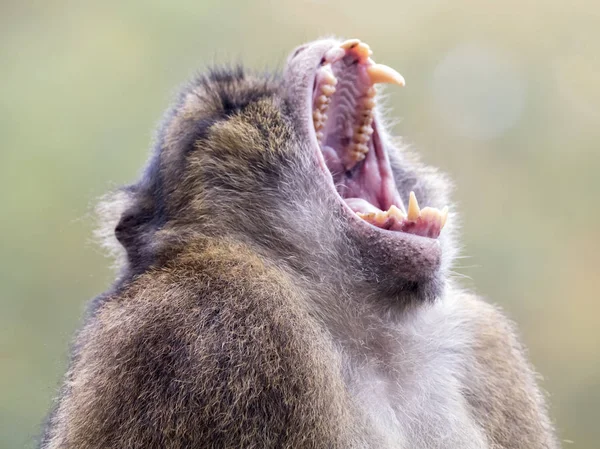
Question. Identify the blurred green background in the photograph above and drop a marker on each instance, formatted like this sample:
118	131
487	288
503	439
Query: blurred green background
504	96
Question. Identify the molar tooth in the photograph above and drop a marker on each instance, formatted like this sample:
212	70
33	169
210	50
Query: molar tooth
367	216
317	116
396	213
361	148
323	99
413	207
379	73
371	92
328	89
368	103
361	138
319	136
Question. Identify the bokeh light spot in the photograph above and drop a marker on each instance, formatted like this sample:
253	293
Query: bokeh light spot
478	92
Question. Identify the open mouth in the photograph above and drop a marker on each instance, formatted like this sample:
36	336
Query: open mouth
343	103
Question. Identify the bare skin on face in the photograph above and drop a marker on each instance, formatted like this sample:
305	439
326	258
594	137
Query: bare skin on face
281	285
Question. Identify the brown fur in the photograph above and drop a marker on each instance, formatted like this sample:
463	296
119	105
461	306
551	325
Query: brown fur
247	309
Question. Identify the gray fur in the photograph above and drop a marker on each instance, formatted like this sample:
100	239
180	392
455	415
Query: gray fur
249	313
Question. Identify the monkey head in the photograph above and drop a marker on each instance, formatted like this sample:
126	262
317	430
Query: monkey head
300	167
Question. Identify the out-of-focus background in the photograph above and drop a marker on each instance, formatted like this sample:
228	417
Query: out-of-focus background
504	96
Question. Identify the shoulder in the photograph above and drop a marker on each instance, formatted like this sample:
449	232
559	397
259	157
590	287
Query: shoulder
499	383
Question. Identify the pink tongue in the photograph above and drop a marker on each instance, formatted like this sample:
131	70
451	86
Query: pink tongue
360	205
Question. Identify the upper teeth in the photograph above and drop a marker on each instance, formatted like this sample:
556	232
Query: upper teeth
327	81
327	88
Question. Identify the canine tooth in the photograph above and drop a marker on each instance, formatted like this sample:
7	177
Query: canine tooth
413	207
381	217
328	89
378	218
327	76
396	213
379	73
444	216
367	120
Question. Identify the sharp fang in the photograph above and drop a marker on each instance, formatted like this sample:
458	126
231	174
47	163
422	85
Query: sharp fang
361	148
361	138
379	73
444	215
413	207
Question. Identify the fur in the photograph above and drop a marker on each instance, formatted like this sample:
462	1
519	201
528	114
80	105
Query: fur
247	313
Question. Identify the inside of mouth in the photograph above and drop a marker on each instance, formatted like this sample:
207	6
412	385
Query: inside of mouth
343	117
343	103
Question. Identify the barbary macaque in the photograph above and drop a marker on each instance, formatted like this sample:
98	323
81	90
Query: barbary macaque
285	284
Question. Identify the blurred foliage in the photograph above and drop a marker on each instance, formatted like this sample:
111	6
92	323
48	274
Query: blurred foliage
504	96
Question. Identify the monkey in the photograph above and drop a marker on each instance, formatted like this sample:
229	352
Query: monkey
280	285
